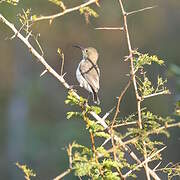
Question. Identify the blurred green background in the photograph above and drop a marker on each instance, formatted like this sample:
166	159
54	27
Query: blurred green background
33	125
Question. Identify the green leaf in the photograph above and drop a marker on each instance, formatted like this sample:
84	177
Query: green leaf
94	127
13	2
177	109
173	170
145	59
102	134
109	175
101	150
109	164
88	10
146	88
82	169
71	114
59	3
72	99
27	171
96	109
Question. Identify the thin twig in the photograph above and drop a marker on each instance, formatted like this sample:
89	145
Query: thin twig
114	148
123	144
51	17
110	28
140	10
69	151
125	124
114	119
108	113
106	141
63	174
36	39
164	127
95	152
145	161
60	52
119	102
113	145
169	166
139	113
156	94
62	64
135	139
157	166
93	146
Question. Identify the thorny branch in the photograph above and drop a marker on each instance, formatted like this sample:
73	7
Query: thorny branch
138	98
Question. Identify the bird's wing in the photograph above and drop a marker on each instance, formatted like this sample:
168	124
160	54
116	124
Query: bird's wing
90	74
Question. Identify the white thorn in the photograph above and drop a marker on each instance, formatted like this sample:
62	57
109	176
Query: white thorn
64	74
27	37
44	72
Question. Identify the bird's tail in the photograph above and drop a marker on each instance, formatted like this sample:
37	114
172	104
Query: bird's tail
96	98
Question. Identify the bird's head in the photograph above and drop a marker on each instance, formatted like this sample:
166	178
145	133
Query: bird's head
89	53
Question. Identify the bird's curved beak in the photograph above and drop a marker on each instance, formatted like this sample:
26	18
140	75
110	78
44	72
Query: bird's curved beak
79	46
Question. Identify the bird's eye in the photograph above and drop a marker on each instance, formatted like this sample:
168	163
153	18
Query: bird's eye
86	50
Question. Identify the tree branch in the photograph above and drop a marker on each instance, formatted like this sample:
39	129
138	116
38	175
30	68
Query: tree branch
110	28
140	10
119	102
156	94
63	174
138	98
51	17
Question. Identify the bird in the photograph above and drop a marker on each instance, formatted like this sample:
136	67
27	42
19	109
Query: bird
88	73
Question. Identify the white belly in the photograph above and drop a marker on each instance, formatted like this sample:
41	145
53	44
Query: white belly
82	81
